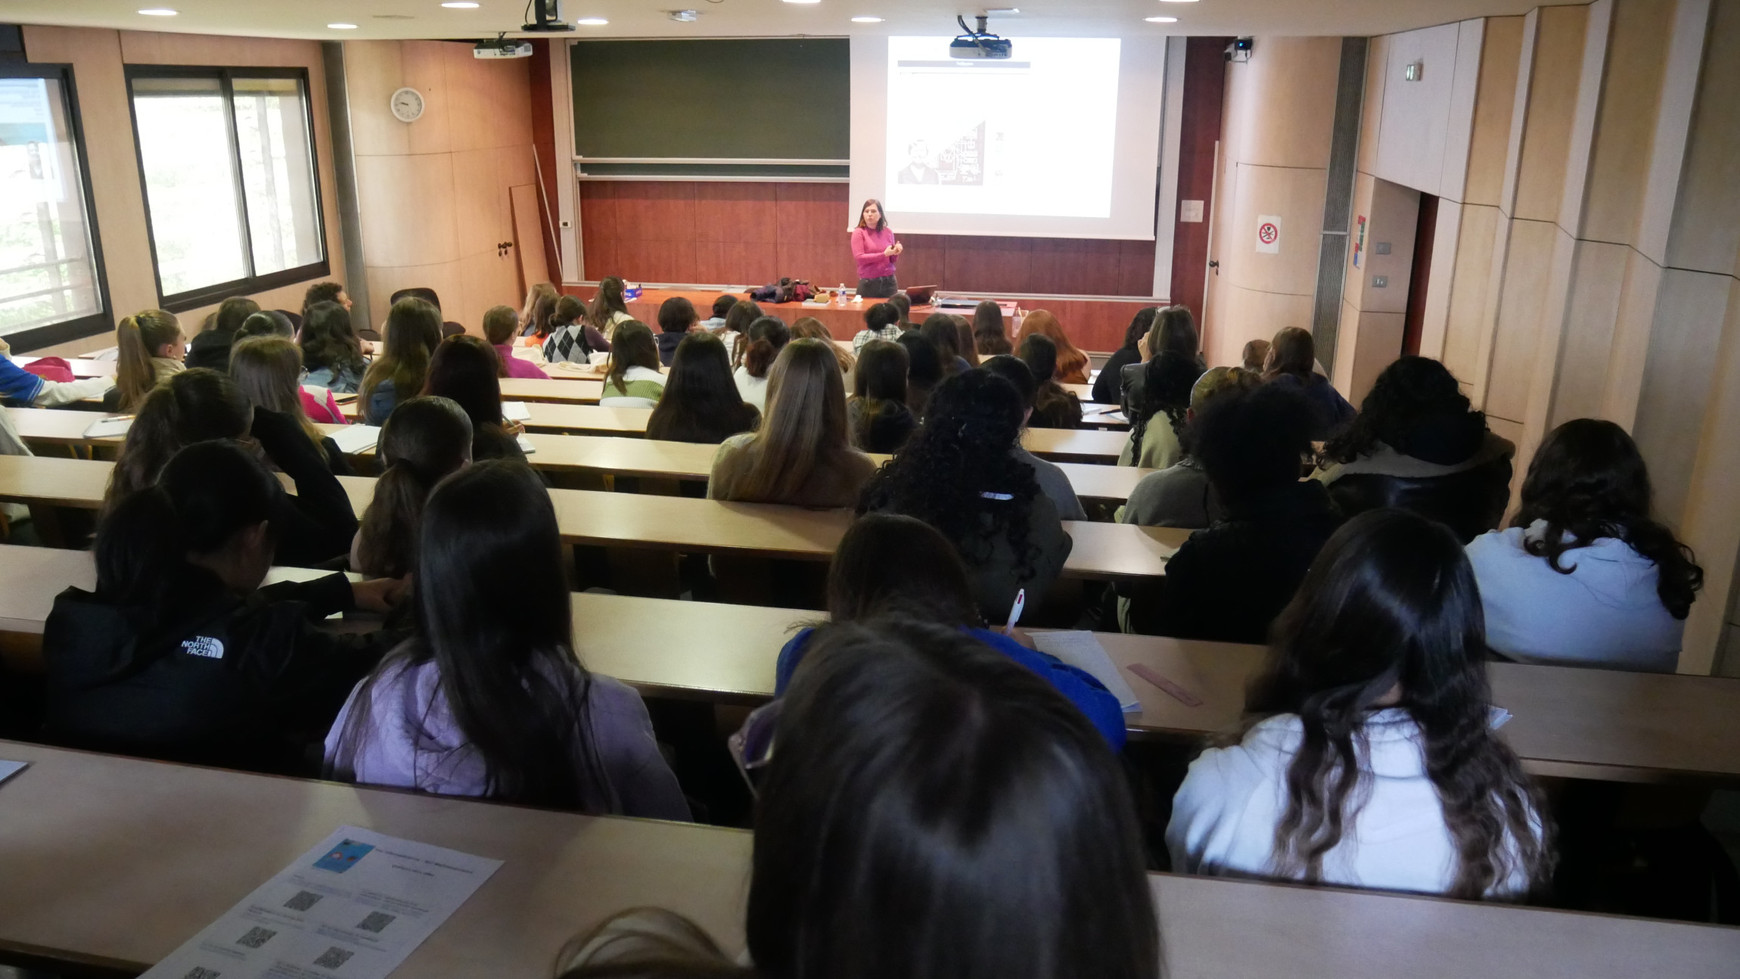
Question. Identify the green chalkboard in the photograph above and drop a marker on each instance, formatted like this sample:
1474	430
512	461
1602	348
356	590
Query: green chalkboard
777	98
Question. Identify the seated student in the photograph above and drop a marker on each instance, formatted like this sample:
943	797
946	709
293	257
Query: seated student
939	329
1228	582
964	344
676	318
924	370
179	653
1255	355
810	328
990	335
721	309
1292	363
448	327
1418	445
735	332
928	808
1072	364
199	405
265	370
1370	759
540	306
488	697
572	339
1109	383
423	441
265	323
881	322
1156	391
631	375
1053	405
801	455
767	336
330	349
877	414
413	331
324	292
499	325
960	475
887	564
466	370
22	388
1052	480
608	309
700	401
1584	576
211	346
1180	494
902	304
149	349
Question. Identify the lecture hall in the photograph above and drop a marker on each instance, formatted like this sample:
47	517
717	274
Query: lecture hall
833	489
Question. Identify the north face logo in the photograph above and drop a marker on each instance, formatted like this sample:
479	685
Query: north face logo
203	646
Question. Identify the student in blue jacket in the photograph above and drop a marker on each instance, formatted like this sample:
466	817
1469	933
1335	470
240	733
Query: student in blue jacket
891	564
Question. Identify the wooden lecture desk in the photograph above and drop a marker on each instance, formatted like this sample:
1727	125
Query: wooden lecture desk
1102	551
1569	722
107	864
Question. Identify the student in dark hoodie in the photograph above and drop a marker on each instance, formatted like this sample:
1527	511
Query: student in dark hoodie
211	347
179	653
1418	445
677	317
1227	583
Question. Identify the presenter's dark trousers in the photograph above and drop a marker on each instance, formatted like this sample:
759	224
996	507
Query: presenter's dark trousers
880	287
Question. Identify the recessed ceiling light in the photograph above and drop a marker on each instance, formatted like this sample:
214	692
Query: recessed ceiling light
1177	1
460	5
341	27
592	22
158	12
1161	20
866	20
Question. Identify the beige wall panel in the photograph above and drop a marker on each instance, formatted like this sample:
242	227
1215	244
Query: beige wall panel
407	205
425	69
157	48
1380	343
1494	100
373	71
445	278
1467	285
1631	330
1285	108
1346	348
1296	196
1676	390
1553	78
477	91
1549	345
1371	107
1706	227
1435	322
1712	513
1684	63
1579	147
488	281
1463	91
480	202
1248	315
1394	219
1522	304
1416	115
1619	165
1597	281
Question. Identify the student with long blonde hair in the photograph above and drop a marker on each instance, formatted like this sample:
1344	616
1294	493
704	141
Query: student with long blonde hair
808	327
413	331
268	370
150	348
802	454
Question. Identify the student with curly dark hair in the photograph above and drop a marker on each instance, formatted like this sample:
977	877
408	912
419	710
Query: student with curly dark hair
1585	576
1417	444
1369	757
960	475
330	348
1053	481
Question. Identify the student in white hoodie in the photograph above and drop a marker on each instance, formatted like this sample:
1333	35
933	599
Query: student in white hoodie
1369	760
1583	576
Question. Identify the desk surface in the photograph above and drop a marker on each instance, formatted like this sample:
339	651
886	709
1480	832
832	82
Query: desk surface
1571	722
84	881
667	523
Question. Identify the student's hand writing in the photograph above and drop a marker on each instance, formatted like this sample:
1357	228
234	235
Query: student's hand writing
514	428
1020	635
379	594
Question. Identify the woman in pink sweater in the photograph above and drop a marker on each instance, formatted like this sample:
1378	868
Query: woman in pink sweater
876	250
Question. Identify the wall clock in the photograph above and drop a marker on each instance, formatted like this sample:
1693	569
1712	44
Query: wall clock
407	104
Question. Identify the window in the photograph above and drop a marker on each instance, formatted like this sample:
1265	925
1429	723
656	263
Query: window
50	274
227	157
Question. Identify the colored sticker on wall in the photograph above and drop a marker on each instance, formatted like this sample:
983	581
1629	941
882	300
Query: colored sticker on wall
1269	234
1359	243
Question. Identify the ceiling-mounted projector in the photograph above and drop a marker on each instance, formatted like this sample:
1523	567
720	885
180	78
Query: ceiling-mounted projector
979	43
502	47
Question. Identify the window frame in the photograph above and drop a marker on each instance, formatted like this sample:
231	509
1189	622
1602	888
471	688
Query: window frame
99	321
251	283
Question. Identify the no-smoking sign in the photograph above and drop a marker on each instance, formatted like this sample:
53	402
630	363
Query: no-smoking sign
1269	233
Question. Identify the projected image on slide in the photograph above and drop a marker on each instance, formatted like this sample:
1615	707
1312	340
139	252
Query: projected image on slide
1033	135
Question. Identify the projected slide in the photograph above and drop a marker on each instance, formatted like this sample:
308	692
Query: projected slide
1032	135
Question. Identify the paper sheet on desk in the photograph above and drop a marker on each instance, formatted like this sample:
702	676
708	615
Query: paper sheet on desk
526	445
355	906
11	768
516	411
352	439
108	427
1082	651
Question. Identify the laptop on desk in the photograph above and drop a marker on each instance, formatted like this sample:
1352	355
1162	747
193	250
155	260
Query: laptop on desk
921	295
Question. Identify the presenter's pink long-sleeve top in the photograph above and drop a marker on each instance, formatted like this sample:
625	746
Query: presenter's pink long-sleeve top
867	247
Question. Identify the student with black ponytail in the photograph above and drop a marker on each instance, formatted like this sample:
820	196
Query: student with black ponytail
179	653
200	405
149	349
424	440
488	698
